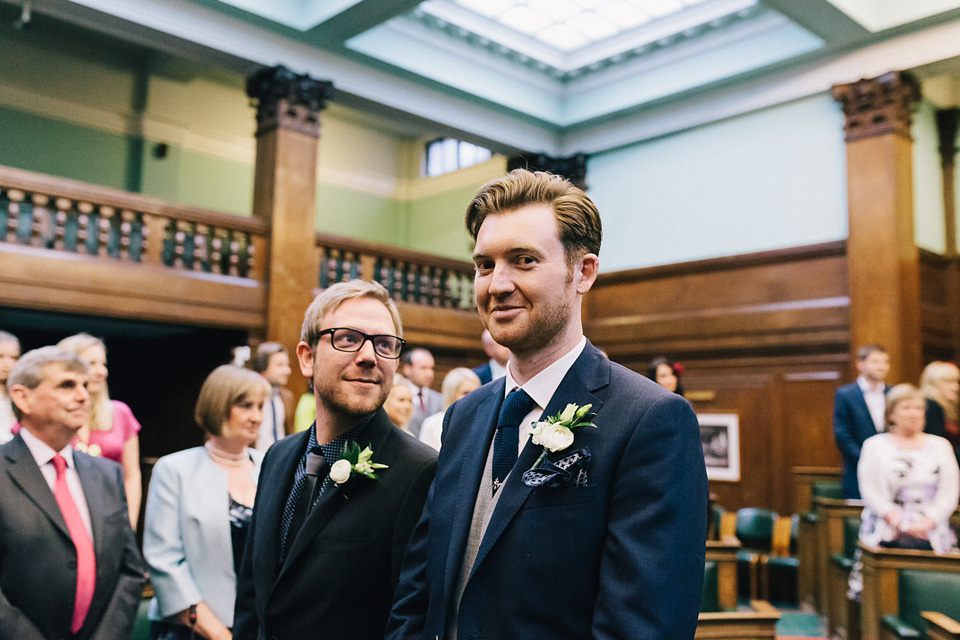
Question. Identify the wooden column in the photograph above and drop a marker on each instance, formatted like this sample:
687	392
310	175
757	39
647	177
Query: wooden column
882	256
284	194
947	130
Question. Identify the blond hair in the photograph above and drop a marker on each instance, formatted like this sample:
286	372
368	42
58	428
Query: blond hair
336	295
577	216
451	382
898	394
933	374
226	386
100	412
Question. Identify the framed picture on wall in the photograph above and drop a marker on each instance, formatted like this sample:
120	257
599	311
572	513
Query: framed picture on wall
720	436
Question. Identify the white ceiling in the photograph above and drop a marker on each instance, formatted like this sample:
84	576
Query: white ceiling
446	67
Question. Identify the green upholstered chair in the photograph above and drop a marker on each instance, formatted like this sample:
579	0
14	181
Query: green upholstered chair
141	625
709	596
921	591
779	569
754	529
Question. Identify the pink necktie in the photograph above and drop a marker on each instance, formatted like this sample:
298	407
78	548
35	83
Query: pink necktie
86	560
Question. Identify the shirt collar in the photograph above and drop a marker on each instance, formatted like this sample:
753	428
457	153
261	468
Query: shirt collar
542	386
42	452
866	388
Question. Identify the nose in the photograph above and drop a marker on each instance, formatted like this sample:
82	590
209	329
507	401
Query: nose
257	414
366	354
501	281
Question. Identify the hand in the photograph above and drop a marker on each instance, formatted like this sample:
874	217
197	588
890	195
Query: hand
921	528
893	518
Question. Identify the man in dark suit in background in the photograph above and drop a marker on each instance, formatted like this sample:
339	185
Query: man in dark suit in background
499	355
605	537
858	410
418	369
69	565
329	529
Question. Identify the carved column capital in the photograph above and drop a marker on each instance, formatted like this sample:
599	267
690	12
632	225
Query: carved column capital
573	168
877	106
947	124
286	100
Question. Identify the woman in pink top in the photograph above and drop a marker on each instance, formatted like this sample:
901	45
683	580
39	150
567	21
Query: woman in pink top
111	430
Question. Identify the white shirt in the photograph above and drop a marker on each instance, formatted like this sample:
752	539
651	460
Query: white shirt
542	386
876	400
43	455
7	419
271	426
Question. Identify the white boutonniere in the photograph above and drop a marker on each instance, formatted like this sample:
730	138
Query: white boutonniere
352	461
556	432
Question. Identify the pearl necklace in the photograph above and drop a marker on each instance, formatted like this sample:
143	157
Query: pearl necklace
226	458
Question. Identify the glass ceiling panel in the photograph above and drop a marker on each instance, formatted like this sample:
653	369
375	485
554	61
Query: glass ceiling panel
568	25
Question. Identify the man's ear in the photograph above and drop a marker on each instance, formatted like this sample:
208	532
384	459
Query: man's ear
305	359
20	396
587	268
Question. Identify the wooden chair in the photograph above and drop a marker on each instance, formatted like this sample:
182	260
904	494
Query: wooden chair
843	617
754	530
881	581
719	619
778	571
922	592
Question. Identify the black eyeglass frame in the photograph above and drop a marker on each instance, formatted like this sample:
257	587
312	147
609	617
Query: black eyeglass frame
366	337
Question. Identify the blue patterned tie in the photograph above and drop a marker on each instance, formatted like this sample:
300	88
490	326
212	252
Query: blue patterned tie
302	497
515	406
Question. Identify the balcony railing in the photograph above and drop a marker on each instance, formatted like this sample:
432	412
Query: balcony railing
49	213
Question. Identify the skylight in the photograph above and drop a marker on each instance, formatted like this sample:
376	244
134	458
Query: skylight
568	25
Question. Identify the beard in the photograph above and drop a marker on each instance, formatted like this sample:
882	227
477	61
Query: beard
540	328
340	400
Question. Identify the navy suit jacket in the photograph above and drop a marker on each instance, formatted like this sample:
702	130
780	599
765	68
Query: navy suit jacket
621	557
484	373
341	570
38	561
852	425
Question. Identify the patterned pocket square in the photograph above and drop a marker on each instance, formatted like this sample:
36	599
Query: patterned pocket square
570	470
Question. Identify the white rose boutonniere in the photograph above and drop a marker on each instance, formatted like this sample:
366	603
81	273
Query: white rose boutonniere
352	461
556	432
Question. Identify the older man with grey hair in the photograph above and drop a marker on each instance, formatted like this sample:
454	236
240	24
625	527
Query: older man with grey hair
69	565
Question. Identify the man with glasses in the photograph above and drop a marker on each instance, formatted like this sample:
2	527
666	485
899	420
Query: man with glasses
336	503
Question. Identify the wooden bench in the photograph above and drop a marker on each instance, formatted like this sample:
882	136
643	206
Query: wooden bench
881	576
804	479
830	515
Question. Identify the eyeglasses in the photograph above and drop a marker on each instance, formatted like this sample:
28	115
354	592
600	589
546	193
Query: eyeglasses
351	340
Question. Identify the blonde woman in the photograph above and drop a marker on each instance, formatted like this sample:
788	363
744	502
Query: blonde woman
199	508
399	403
456	384
111	429
940	384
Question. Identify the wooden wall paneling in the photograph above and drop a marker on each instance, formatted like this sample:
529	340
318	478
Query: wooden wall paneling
939	306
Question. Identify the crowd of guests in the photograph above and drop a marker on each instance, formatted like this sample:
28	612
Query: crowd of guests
900	450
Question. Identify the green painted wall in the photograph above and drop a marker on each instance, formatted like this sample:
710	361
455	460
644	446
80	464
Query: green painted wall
928	213
436	223
361	215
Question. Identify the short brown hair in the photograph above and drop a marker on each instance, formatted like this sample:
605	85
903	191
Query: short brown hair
864	352
336	295
226	386
577	216
265	350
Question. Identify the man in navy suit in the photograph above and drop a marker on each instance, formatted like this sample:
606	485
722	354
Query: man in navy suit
858	410
496	367
605	538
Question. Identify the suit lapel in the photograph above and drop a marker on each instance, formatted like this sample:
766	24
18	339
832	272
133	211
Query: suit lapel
333	497
269	505
479	435
574	389
25	473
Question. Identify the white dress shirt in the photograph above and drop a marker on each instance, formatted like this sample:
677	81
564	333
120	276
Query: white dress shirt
271	426
876	400
43	454
542	386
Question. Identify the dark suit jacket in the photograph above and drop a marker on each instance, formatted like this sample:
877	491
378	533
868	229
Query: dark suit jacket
38	560
936	421
619	558
484	373
340	573
852	425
